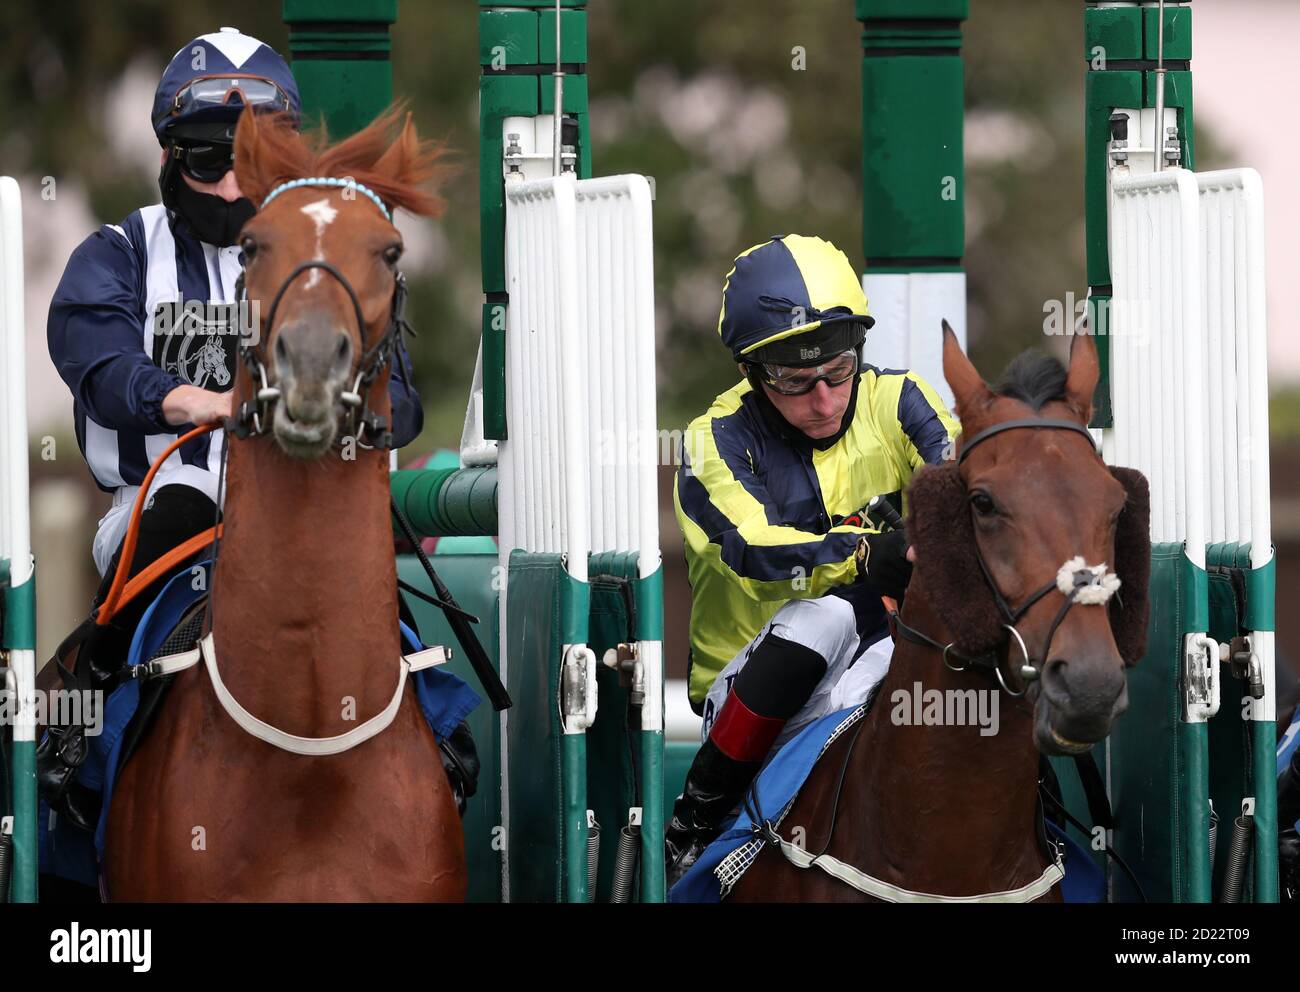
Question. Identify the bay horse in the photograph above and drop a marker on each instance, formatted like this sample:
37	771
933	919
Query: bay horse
303	608
944	811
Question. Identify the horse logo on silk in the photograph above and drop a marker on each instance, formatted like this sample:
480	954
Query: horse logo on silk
191	347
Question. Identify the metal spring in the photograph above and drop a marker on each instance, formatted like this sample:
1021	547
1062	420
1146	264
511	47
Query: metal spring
629	846
1238	857
593	854
6	860
1214	835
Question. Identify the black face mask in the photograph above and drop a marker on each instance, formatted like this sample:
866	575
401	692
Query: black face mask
212	219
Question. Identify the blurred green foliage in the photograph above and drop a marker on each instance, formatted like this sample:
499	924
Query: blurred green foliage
704	96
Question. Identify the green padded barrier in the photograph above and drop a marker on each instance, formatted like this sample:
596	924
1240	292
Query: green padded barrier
1144	748
548	610
1229	733
469	577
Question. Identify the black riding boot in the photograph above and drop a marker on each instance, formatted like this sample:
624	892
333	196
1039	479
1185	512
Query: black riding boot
714	785
460	761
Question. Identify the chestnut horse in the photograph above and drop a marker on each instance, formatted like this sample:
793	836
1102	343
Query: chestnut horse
944	810
304	606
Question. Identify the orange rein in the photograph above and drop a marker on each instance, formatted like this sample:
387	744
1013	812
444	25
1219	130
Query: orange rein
891	611
121	591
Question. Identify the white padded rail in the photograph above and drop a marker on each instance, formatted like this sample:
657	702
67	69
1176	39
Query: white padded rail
1189	363
15	514
1232	240
1158	355
15	531
578	471
1189	372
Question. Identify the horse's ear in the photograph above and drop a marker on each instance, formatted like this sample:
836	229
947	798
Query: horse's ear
268	149
412	170
972	394
1085	370
247	168
1130	610
398	160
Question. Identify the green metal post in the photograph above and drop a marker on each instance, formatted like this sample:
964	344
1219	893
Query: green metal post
341	56
913	180
1194	738
517	59
1261	619
574	757
575	616
650	635
19	641
1120	48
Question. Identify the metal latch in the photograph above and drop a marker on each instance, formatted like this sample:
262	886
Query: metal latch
578	688
1245	665
626	660
1200	675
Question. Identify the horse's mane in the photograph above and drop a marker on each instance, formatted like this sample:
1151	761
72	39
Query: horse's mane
1034	378
403	170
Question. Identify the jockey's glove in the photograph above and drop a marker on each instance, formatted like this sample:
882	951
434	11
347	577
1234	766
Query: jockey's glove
882	559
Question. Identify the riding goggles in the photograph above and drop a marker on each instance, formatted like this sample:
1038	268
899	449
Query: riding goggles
205	162
794	381
217	91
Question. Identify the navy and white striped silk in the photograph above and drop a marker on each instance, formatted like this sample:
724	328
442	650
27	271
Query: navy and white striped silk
102	339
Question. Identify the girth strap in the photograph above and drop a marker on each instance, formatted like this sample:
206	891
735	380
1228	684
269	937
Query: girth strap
172	664
889	892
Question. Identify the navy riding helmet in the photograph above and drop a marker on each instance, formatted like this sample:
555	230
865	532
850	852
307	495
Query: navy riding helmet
214	77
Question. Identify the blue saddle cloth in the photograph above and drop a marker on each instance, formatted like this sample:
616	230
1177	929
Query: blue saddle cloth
70	853
778	785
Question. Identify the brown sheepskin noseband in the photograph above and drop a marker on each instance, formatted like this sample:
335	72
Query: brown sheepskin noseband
940	527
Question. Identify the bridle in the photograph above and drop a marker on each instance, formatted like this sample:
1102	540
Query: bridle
253	416
1079	583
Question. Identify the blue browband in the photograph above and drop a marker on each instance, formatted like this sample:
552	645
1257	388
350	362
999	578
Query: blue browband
323	181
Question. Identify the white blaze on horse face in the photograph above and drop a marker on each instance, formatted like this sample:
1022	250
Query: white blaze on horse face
322	214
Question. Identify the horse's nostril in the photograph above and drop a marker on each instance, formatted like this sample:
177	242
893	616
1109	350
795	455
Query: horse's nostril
1055	686
281	351
345	346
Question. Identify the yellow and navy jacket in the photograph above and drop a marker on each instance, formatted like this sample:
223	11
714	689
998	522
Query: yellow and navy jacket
767	519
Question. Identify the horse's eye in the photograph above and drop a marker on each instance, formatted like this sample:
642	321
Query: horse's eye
392	253
249	248
983	505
